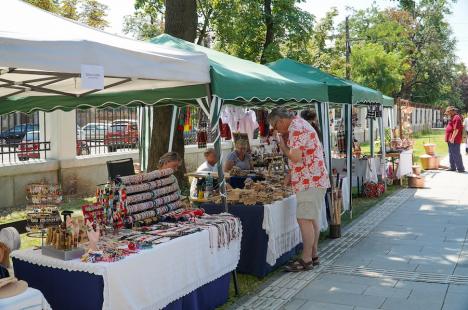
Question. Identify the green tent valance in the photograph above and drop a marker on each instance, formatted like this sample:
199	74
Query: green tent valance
238	81
47	103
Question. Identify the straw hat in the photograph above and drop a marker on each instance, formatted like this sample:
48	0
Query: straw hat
10	287
450	108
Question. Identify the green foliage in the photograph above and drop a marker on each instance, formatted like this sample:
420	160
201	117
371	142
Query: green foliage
377	68
240	29
147	21
94	14
90	12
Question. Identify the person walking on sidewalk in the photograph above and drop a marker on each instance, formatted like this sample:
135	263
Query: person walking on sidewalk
453	137
308	177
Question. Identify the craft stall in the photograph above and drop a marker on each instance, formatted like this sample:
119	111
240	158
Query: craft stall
137	231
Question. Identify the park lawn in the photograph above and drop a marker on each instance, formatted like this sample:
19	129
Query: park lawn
436	136
72	204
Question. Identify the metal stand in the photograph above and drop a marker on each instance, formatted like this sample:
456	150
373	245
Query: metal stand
236	284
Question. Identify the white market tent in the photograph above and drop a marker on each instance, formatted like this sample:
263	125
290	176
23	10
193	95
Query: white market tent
42	54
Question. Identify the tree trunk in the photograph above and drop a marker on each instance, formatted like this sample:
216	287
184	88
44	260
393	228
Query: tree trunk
180	22
269	36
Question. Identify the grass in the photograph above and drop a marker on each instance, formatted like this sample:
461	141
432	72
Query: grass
72	204
436	136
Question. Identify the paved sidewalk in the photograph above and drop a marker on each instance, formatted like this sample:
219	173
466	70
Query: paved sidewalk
410	252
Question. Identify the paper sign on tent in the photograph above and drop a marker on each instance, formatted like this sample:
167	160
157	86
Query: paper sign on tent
92	77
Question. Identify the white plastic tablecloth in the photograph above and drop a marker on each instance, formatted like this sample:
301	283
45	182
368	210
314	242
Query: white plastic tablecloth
155	277
280	224
405	164
31	299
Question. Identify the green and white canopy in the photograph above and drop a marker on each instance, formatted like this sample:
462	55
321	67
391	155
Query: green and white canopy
42	58
242	82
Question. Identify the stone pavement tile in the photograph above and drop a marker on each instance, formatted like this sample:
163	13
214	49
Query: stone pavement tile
392	265
422	286
455	299
384	282
312	305
294	304
362	308
327	286
353	260
461	270
458	289
403	304
348	299
436	268
402	293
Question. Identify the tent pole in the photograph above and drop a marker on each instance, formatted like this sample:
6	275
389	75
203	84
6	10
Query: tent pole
349	153
171	138
371	137
382	149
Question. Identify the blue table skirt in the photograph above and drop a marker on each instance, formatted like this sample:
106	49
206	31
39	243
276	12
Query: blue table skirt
238	182
254	241
78	290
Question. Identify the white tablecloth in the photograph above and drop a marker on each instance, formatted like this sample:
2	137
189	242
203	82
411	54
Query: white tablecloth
31	299
405	164
155	277
280	224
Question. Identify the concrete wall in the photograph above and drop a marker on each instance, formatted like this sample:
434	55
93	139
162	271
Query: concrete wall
15	177
78	176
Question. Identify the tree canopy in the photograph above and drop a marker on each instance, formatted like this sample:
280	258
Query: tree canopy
90	12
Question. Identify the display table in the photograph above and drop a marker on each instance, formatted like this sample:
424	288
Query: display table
184	273
239	182
31	299
270	234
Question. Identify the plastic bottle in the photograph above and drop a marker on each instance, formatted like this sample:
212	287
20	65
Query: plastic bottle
209	184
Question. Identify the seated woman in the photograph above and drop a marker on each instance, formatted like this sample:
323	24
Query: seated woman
239	157
170	160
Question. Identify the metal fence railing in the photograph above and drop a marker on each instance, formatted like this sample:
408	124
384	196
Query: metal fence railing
22	138
100	131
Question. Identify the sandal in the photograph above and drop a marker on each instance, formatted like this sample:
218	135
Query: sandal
299	265
315	261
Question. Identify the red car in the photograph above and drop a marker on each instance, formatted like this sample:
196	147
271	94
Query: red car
29	147
121	135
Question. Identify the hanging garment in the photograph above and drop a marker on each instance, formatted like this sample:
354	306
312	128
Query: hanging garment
264	127
248	124
224	130
240	120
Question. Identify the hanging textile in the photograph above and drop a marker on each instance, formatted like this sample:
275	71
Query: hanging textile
225	130
263	126
240	120
202	133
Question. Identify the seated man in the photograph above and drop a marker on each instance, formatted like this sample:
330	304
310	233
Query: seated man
210	165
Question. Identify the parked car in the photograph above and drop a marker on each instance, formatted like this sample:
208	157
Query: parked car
29	146
121	135
95	131
16	134
124	121
82	147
